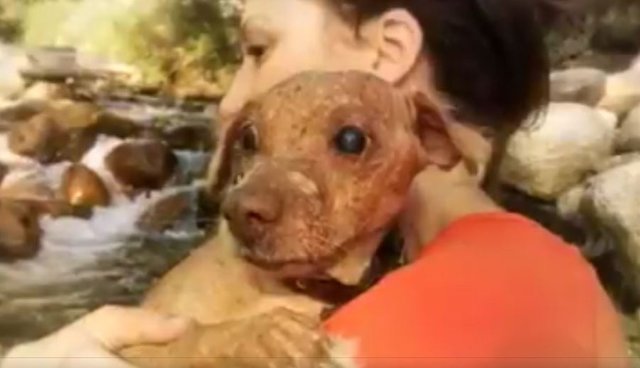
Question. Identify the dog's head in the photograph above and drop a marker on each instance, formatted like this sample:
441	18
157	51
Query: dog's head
321	164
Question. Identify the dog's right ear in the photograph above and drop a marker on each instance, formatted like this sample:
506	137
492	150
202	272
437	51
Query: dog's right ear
221	165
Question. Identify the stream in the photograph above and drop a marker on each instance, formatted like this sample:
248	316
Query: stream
85	263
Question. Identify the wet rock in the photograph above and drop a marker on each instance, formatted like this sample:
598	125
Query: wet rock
73	115
142	165
611	206
190	136
165	212
109	123
63	131
39	138
622	92
82	187
581	85
27	189
546	158
19	230
628	136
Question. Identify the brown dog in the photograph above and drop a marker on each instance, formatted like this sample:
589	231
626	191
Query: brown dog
311	178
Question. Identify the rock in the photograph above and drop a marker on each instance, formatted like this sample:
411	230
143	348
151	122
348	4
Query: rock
39	138
142	164
611	204
616	161
165	212
619	33
568	204
19	230
82	187
44	91
112	124
12	60
73	115
581	85
189	136
609	117
622	92
628	136
22	110
60	133
547	158
27	189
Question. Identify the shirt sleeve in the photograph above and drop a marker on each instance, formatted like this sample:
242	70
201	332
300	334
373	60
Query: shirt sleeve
493	290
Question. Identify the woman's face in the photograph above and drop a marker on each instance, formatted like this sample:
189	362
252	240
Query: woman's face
281	38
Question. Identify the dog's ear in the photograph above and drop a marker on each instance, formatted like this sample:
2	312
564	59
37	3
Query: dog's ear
220	168
430	124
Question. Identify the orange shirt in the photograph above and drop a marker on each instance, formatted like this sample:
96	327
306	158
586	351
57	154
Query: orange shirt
492	290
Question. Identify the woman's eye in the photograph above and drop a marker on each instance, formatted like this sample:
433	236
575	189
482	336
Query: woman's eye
257	52
249	138
350	140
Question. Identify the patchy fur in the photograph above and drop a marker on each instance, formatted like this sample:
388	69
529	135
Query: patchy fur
304	204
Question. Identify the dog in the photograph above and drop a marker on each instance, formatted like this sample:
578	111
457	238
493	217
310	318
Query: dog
311	177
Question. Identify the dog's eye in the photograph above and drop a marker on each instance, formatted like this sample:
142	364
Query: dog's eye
249	138
350	140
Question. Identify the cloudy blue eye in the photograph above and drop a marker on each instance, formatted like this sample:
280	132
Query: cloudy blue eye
350	140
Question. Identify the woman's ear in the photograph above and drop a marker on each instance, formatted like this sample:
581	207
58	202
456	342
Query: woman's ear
397	38
431	122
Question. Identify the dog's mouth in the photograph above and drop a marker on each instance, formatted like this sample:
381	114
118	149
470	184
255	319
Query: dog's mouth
388	255
287	266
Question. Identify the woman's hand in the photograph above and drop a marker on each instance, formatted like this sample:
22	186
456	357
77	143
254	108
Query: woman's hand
280	338
436	199
92	340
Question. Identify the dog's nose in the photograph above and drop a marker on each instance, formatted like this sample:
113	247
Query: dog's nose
250	210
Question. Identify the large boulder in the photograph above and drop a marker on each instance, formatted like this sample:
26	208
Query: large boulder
142	164
622	92
611	205
628	136
548	156
581	85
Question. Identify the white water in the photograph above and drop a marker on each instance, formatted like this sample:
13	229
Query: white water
68	243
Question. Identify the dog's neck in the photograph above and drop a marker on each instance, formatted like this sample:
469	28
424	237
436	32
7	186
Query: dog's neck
368	261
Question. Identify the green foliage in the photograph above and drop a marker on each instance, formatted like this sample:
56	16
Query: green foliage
164	39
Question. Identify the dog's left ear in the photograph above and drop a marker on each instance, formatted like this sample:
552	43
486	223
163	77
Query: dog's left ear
431	121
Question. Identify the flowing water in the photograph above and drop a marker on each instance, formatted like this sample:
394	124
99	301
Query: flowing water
85	263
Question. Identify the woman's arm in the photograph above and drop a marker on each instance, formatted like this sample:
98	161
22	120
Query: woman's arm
94	339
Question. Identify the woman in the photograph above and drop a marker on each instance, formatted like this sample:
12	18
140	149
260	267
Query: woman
485	287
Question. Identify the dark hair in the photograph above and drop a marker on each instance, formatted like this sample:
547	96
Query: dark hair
488	56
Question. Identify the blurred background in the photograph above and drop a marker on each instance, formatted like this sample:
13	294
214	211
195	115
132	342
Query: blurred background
108	119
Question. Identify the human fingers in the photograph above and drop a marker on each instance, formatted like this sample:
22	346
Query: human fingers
117	327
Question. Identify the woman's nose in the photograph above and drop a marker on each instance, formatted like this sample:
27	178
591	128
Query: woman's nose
236	97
